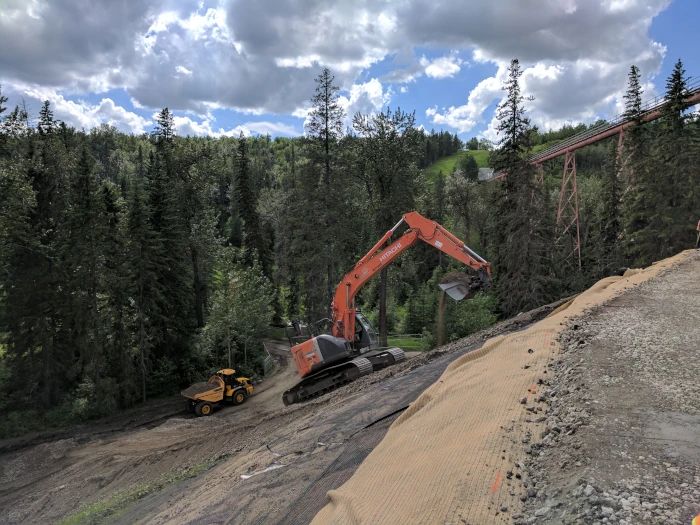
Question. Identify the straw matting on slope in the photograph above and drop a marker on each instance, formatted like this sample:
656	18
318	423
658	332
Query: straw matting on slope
452	457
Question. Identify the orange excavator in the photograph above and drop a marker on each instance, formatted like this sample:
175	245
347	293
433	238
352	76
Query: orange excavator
350	351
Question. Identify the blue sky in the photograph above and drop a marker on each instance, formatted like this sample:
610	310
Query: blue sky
226	66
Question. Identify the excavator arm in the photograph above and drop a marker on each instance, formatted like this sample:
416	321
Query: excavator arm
371	264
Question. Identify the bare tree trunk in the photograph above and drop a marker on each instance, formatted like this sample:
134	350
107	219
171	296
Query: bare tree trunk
382	307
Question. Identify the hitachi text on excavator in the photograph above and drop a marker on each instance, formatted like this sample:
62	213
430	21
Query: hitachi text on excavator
350	350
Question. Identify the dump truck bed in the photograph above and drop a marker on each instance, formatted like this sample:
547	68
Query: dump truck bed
199	388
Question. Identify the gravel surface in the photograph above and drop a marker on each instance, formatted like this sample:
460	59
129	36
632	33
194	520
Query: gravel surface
622	443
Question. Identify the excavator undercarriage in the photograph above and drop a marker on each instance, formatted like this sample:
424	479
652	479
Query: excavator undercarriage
333	377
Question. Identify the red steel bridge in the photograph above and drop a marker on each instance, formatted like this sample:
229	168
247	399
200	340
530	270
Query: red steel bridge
567	212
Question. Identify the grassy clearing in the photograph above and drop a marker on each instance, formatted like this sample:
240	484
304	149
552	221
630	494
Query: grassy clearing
447	164
97	512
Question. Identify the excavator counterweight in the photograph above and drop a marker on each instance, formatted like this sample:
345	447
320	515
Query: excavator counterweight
351	351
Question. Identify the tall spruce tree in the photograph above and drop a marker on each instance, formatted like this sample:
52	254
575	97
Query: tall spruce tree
116	301
146	290
173	258
517	241
673	159
325	129
83	263
245	197
609	249
650	199
34	296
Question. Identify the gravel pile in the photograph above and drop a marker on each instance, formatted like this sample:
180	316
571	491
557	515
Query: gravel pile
622	412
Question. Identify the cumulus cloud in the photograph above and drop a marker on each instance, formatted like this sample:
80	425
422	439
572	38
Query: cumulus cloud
443	67
84	115
185	126
575	55
262	56
206	127
464	118
366	98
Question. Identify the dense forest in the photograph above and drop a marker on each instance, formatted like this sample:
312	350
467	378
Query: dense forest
133	265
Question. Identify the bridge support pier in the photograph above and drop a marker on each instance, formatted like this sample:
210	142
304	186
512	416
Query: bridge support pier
567	213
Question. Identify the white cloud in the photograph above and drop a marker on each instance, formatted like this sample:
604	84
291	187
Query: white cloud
403	89
262	56
185	126
84	115
366	98
464	118
443	67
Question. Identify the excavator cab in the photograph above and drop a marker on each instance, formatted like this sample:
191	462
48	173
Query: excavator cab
365	336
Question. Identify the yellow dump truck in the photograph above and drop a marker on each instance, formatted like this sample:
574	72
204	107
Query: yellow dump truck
201	398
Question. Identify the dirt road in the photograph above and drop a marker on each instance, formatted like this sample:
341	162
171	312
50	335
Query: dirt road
622	443
141	473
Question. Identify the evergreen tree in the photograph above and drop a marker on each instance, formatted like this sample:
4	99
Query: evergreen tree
33	290
246	200
164	131
609	256
659	220
172	258
145	287
307	263
82	260
46	124
116	301
517	241
673	160
325	129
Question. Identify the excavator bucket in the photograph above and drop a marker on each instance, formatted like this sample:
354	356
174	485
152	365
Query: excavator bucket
461	286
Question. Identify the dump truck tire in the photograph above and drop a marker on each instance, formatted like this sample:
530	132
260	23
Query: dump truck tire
239	397
203	409
188	406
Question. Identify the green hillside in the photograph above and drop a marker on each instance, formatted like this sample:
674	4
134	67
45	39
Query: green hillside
447	164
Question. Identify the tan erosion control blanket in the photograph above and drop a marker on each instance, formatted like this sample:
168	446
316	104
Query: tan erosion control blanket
446	459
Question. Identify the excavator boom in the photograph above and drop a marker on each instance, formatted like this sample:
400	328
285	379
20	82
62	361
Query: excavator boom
372	263
327	361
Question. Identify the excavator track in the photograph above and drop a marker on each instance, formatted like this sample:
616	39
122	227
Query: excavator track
336	376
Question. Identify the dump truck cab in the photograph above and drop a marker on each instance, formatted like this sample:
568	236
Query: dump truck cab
201	398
